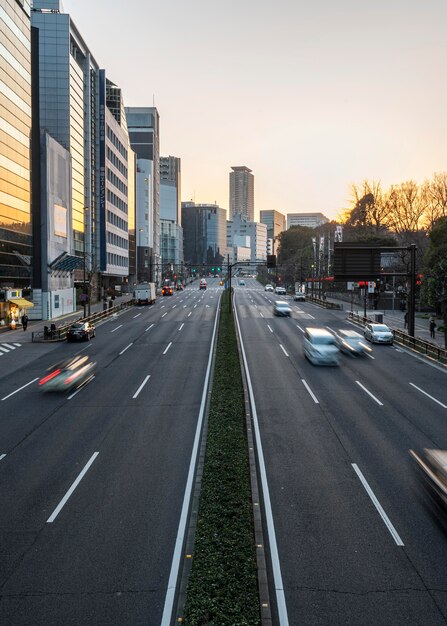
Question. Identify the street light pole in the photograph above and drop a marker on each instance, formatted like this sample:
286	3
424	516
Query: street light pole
137	245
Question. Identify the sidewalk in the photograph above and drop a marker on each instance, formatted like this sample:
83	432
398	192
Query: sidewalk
24	336
395	319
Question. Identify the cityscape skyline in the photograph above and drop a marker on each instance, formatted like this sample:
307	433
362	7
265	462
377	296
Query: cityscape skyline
321	95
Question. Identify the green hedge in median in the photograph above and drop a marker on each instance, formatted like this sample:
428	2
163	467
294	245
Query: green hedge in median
222	587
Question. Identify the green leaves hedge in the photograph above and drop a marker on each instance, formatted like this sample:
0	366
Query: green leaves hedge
222	587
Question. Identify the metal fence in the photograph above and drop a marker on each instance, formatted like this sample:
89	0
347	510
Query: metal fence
52	333
324	303
414	343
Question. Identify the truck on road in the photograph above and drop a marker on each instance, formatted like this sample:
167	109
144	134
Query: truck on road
145	293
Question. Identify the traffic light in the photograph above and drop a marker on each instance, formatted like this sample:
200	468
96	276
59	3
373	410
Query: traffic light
218	269
212	269
419	278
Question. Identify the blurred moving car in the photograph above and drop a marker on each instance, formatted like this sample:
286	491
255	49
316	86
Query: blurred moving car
320	347
80	331
242	283
280	291
167	290
351	342
299	296
432	470
378	333
282	308
202	283
221	283
67	374
268	288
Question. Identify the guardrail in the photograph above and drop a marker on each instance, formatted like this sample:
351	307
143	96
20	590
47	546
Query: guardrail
53	334
414	343
324	303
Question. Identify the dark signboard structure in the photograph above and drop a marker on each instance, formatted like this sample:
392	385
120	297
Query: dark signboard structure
356	261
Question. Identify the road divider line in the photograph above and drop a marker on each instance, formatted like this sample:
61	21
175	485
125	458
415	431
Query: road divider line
64	500
149	327
283	349
112	331
166	349
312	395
369	393
181	327
126	348
378	506
429	396
20	388
137	315
141	386
299	328
270	328
164	314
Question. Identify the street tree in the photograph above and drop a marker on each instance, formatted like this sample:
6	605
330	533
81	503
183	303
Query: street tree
435	278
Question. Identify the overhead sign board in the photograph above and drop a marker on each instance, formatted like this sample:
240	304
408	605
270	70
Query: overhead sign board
356	261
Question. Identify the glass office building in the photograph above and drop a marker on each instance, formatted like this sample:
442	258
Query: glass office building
204	233
15	129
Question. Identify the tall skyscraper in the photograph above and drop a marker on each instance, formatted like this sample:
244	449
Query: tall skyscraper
15	127
242	193
171	232
276	223
204	228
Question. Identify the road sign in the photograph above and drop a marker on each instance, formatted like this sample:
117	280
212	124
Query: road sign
371	286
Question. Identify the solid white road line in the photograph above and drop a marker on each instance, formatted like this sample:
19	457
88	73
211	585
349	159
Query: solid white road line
20	388
126	348
87	382
173	575
313	396
189	313
164	314
62	503
276	566
299	328
141	386
166	349
149	327
112	331
369	393
2	456
378	506
283	349
429	396
270	329
137	315
181	326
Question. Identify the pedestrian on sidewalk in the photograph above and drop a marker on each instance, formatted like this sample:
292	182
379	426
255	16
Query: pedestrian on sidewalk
25	321
432	325
406	320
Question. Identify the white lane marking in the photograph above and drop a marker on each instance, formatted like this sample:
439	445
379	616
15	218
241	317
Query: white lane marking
8	345
112	331
62	503
149	327
370	356
4	350
126	348
162	306
310	316
331	330
378	506
2	456
398	350
174	306
369	393
428	395
184	306
19	345
256	306
299	328
261	314
137	315
189	313
270	329
141	386
276	566
20	388
195	305
166	349
179	541
87	382
181	326
181	300
313	396
164	314
283	349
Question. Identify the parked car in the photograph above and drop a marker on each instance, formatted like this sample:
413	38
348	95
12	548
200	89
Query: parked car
167	290
268	288
299	296
282	309
280	291
202	283
320	347
351	342
378	333
67	374
80	331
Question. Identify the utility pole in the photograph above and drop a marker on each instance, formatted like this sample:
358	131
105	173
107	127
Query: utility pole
412	294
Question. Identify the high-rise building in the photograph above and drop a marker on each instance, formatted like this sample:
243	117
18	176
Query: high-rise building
276	223
204	233
310	220
171	232
239	229
143	124
15	128
242	193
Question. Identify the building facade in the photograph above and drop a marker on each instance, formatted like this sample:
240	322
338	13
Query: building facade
171	232
276	223
242	193
255	232
310	220
204	233
15	130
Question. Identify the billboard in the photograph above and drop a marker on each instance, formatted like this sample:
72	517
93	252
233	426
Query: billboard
356	261
60	220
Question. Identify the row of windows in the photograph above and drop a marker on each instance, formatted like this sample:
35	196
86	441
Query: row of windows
116	162
116	221
116	240
116	201
116	142
117	182
117	259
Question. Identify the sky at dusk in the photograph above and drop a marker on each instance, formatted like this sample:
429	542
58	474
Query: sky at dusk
312	96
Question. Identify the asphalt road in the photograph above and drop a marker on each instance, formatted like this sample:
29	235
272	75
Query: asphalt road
333	439
93	482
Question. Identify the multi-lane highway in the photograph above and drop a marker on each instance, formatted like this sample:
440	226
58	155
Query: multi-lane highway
356	541
93	482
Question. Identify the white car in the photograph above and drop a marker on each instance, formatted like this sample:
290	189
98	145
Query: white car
320	347
299	296
378	333
268	288
280	291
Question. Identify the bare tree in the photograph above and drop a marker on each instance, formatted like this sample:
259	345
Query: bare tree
369	210
435	195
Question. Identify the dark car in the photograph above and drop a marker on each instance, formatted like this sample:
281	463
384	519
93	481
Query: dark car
167	290
80	331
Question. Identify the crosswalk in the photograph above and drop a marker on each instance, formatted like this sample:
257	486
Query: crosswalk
8	347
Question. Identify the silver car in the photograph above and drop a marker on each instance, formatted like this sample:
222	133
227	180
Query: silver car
351	342
378	333
320	347
68	374
282	308
268	288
